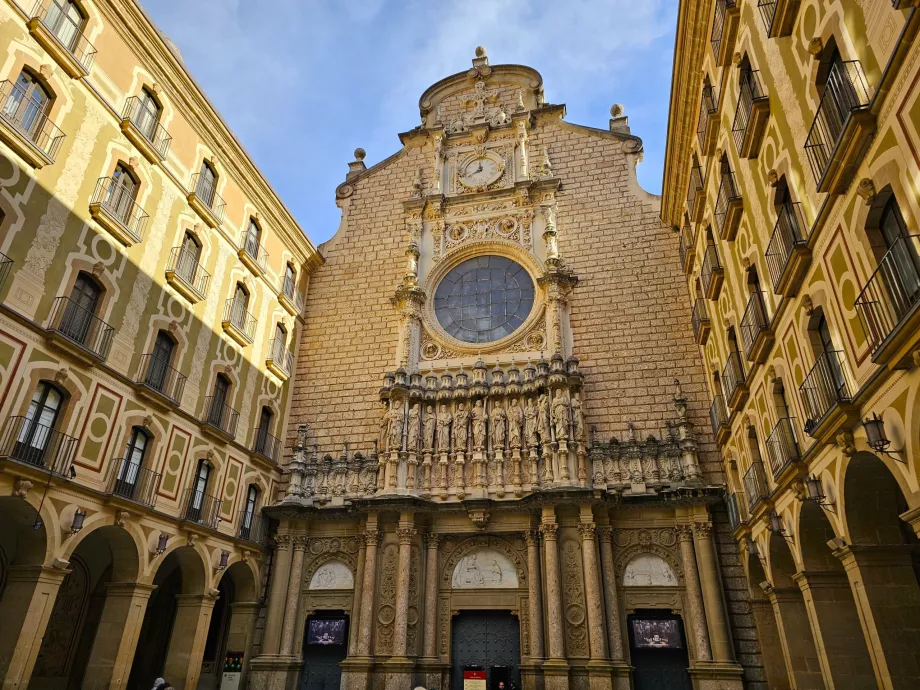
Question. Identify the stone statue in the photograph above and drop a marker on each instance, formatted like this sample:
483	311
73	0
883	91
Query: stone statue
397	420
444	429
579	418
479	425
530	423
515	418
561	416
415	422
543	419
497	419
430	423
384	426
460	427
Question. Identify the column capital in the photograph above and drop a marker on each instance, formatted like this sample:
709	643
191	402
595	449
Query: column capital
372	537
299	542
684	532
406	535
605	532
549	530
703	530
432	540
282	541
532	537
588	531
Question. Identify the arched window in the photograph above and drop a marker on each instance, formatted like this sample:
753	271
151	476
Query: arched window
898	254
253	239
37	428
148	114
126	481
218	412
779	400
121	192
160	361
826	355
241	296
78	321
65	20
264	444
290	280
207	183
196	503
249	511
189	256
27	104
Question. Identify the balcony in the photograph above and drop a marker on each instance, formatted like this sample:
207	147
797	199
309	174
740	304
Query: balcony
238	323
724	30
143	129
132	482
186	275
6	264
782	447
712	274
206	202
279	361
220	418
826	398
904	4
733	381
25	440
26	128
788	255
251	253
290	297
729	207
700	320
736	505
751	115
266	445
842	129
755	485
201	508
61	38
718	417
757	336
889	304
114	208
696	195
79	332
252	528
160	382
778	16
708	126
687	242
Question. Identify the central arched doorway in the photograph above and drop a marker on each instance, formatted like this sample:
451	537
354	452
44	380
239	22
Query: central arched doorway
325	646
658	651
489	641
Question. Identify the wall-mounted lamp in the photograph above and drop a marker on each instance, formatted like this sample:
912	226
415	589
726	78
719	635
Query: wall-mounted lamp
77	523
161	543
878	440
777	526
752	547
814	493
224	557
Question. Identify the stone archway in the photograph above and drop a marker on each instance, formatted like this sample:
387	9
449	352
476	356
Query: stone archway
765	621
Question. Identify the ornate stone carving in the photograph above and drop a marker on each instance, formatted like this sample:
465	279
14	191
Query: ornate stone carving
866	190
576	630
649	570
482	543
479	517
484	568
21	487
847	443
386	609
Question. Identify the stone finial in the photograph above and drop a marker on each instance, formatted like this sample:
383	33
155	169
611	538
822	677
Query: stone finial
619	122
357	166
815	46
481	52
616	110
481	62
866	190
360	154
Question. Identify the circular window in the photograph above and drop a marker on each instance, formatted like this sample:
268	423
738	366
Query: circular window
484	299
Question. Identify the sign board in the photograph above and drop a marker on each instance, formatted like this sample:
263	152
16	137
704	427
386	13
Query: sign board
656	634
474	680
233	670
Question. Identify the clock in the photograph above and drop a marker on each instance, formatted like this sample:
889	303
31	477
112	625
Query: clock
479	170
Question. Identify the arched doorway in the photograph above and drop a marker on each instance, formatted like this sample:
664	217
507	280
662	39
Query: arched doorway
232	621
489	641
658	650
325	646
765	621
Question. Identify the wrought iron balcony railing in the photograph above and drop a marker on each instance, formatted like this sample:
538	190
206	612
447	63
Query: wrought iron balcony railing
265	444
252	527
687	242
782	446
753	323
892	293
767	13
156	374
118	201
693	187
289	290
134	482
220	415
700	320
728	193
711	272
718	24
280	356
6	264
29	119
737	509
732	375
823	388
788	235
751	92
709	104
755	485
235	313
68	33
845	92
201	508
249	243
184	264
718	415
81	326
26	440
207	193
148	124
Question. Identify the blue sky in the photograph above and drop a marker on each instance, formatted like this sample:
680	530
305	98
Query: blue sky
302	83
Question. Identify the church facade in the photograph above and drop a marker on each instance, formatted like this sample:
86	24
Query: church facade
501	459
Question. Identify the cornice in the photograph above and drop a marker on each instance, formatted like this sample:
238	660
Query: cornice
689	43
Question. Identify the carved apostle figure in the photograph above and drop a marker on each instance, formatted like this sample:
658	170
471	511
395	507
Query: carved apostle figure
497	420
579	418
384	427
415	423
515	418
479	425
530	423
561	416
429	426
543	419
397	421
444	419
461	425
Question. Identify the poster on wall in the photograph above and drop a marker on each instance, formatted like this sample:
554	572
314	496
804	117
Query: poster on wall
326	631
656	634
474	679
233	670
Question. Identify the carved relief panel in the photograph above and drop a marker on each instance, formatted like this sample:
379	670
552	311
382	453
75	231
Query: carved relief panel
573	599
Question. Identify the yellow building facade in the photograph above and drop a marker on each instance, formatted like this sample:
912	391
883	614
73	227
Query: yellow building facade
791	181
152	287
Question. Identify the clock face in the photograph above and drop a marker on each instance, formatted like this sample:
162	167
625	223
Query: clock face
480	171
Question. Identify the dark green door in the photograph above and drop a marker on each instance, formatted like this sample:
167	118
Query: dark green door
490	640
325	647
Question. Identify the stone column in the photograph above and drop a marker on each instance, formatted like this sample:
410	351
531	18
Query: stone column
25	609
535	594
243	615
274	618
186	643
593	593
697	622
371	540
112	653
614	631
430	645
406	534
714	603
802	665
555	669
292	601
355	627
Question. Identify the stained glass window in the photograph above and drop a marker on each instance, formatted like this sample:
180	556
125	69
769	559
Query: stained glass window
484	299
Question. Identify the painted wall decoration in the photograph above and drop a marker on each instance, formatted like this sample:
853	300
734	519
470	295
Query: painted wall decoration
649	570
332	575
484	568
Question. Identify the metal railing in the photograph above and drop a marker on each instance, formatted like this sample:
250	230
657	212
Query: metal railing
27	441
694	186
29	119
201	508
699	315
788	234
737	509
6	264
767	12
824	387
709	103
728	192
754	322
118	201
219	414
249	243
782	446
718	415
252	527
235	313
711	265
184	264
755	484
148	124
292	293
155	373
892	291
751	91
845	91
67	32
206	191
266	445
732	375
81	326
718	24
280	355
687	240
133	481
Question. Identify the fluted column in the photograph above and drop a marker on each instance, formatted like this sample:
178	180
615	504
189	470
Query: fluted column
356	602
292	604
712	593
612	608
371	541
598	641
406	534
553	590
430	645
281	571
694	595
535	594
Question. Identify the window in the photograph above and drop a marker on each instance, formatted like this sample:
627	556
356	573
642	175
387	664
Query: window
199	491
249	511
207	183
189	255
38	426
280	338
65	20
80	313
216	409
241	296
27	105
263	433
128	472
901	270
827	350
160	361
148	114
253	239
779	399
121	192
290	279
